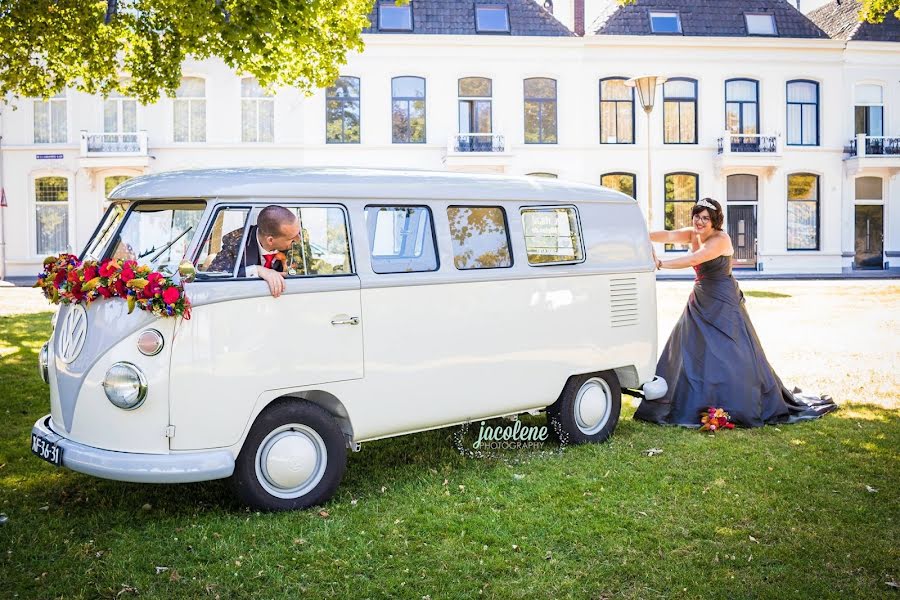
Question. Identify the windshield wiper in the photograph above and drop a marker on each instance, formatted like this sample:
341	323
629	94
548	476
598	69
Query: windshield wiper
169	245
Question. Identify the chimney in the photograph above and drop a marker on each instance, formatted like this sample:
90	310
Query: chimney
578	20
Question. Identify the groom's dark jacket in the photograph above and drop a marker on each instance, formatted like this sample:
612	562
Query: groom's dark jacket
224	260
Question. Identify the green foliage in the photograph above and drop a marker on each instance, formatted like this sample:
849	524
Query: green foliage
138	47
874	11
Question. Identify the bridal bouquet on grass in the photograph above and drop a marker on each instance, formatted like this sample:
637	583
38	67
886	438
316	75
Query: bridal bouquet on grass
67	280
715	419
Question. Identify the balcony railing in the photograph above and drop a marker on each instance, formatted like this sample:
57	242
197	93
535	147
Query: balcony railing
749	143
114	144
874	145
476	142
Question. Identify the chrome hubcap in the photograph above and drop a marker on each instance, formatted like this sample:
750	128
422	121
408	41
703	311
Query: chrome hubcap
593	403
291	461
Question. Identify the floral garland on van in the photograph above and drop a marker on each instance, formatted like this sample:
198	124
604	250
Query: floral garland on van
67	280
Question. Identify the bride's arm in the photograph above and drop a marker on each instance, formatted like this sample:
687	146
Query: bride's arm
713	248
677	236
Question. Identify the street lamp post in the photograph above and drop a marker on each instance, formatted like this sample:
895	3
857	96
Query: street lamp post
646	87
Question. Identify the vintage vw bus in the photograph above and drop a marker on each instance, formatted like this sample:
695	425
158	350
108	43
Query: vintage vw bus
414	300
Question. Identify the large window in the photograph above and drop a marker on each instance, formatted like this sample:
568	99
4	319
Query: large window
802	113
742	107
540	111
342	111
803	212
616	112
119	114
681	195
401	239
760	24
220	250
552	235
394	17
408	110
869	110
51	200
479	237
50	120
621	182
110	183
680	111
665	22
190	110
257	112
475	114
158	234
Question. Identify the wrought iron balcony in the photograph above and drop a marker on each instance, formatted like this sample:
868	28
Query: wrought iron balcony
873	145
749	143
113	144
476	142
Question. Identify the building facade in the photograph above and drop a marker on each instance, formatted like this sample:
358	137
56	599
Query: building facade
795	129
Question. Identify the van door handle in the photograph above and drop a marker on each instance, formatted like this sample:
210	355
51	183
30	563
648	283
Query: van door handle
346	321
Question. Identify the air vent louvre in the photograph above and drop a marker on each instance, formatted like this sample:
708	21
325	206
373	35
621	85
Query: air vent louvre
623	301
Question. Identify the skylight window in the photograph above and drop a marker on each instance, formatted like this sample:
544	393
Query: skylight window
491	18
394	17
760	24
665	22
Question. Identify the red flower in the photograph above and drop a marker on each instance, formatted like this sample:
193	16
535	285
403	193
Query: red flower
90	271
73	276
130	264
154	278
104	291
127	274
121	290
108	267
171	295
59	278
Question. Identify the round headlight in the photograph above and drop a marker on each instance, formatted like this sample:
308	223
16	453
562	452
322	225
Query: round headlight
125	385
150	342
44	362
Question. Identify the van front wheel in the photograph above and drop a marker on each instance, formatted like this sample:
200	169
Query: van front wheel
588	408
294	457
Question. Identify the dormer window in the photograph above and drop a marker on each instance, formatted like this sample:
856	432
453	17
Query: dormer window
491	18
760	24
665	22
394	17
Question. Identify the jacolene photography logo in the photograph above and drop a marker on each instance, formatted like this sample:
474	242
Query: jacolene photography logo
492	438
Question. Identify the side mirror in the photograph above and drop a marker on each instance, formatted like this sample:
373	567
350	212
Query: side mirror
187	271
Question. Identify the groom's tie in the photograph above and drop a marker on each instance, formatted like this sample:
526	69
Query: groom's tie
269	258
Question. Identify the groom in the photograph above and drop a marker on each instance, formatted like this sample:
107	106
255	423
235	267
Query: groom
275	230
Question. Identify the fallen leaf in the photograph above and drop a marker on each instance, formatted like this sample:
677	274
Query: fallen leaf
652	451
323	514
161	570
870	489
146	507
174	576
515	548
753	539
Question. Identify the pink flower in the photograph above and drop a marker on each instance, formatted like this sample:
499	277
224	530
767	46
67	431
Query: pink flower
171	295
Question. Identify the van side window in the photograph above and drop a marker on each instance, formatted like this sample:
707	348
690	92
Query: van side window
324	247
401	239
479	236
552	235
219	252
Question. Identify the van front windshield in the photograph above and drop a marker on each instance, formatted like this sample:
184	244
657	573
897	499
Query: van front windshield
158	234
105	231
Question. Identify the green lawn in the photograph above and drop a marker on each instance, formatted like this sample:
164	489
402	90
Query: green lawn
769	513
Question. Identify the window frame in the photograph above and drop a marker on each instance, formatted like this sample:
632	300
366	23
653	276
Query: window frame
523	208
408	99
61	97
677	14
257	100
818	212
741	104
540	105
788	104
760	14
190	100
621	173
672	247
343	100
509	247
207	230
679	100
496	6
370	242
392	4
37	203
600	107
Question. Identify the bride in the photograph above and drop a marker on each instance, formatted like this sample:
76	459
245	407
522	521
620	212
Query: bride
713	357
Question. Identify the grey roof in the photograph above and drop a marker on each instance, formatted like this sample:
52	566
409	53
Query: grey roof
708	18
358	184
840	20
457	17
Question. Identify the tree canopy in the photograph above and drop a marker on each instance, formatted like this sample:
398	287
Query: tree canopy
137	47
874	11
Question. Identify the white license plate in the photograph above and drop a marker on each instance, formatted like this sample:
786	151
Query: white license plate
46	450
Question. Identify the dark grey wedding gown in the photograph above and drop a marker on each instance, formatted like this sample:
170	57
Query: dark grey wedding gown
714	359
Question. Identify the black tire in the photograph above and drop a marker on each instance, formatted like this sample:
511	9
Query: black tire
288	439
578	424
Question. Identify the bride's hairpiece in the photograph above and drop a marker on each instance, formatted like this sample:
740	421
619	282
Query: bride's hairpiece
703	202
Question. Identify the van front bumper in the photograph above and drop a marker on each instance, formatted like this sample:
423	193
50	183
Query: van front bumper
182	467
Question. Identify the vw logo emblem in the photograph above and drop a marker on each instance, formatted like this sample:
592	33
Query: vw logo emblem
72	333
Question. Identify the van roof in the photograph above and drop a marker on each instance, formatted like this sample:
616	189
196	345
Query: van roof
357	183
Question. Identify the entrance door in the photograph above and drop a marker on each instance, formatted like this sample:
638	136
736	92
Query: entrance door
742	229
869	237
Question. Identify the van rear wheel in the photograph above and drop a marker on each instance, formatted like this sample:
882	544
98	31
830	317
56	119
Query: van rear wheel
294	457
588	408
